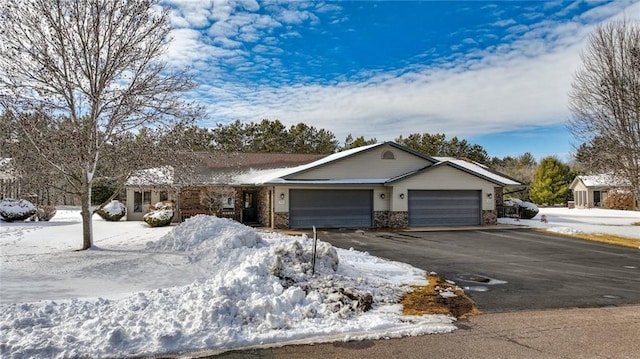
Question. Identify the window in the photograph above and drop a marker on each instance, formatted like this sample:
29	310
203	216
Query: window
248	200
164	196
388	155
141	201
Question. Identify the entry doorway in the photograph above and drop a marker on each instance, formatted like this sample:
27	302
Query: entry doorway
249	207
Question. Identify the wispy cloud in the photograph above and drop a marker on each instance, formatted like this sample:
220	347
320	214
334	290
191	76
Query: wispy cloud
520	83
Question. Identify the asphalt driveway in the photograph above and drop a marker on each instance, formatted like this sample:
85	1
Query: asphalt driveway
512	269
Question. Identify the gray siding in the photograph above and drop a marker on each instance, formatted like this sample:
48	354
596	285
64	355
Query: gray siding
330	208
369	164
444	208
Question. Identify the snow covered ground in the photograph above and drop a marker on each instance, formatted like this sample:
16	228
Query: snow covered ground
206	284
589	220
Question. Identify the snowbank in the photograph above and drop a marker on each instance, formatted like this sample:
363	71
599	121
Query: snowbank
591	220
248	288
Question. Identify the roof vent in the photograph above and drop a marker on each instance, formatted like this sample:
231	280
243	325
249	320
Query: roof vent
388	155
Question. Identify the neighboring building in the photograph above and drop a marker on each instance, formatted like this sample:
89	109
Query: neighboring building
376	186
592	190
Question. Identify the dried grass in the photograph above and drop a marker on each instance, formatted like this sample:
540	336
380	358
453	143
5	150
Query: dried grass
428	300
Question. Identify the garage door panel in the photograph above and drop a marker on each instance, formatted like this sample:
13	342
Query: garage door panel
444	208
330	208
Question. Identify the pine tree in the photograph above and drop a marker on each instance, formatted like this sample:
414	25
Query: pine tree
550	183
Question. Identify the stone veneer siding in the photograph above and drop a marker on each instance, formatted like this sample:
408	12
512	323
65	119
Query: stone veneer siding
389	219
498	196
264	207
281	220
489	217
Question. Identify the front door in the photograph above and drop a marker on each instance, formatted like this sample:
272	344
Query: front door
596	198
249	207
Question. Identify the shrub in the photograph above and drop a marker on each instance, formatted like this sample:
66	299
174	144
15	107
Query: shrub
112	211
617	200
16	209
527	210
45	213
161	214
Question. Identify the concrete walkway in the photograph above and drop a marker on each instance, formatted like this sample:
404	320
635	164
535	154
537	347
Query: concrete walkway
611	332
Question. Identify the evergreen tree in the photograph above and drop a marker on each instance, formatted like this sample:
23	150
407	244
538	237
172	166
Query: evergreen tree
350	142
551	181
271	136
438	145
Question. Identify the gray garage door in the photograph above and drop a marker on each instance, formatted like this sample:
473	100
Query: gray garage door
444	208
330	208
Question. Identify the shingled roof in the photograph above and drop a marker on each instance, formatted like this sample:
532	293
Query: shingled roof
227	168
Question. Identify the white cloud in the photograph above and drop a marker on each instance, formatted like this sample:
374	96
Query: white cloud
503	23
501	88
455	102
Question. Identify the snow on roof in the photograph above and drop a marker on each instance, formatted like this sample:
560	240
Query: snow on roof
343	181
603	180
479	169
259	176
152	177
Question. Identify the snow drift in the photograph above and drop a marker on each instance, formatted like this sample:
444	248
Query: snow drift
259	290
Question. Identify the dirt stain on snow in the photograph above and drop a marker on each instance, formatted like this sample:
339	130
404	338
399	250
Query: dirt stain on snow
438	297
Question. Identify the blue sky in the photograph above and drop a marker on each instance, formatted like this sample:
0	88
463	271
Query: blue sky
496	73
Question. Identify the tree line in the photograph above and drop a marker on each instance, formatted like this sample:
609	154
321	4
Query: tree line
86	97
129	151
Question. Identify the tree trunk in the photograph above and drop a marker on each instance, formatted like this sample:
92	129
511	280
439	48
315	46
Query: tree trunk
87	226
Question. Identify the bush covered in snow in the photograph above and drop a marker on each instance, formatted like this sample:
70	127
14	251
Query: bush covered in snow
527	210
112	211
161	214
45	213
16	209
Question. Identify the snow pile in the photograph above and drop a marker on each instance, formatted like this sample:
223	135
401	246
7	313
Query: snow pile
259	289
16	209
591	220
216	234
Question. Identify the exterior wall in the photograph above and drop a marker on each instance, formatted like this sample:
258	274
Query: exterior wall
281	220
155	198
192	199
368	164
388	219
580	195
443	178
489	217
264	207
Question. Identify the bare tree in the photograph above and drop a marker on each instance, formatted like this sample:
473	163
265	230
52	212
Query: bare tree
78	76
605	101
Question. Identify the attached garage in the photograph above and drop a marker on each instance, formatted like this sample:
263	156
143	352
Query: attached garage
444	208
330	208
